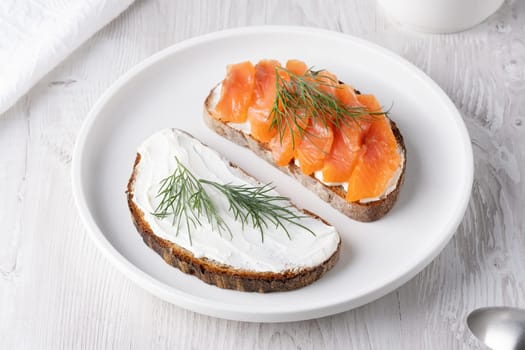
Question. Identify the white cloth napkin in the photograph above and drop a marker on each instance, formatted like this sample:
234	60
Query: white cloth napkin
36	35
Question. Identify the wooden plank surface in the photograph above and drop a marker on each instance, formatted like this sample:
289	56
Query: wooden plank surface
58	292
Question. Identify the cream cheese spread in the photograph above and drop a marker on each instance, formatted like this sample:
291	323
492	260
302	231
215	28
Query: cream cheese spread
244	249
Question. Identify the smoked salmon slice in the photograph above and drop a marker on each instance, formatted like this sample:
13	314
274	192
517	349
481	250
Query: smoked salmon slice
379	159
327	82
236	93
263	100
283	145
348	139
296	67
347	96
315	146
316	137
339	164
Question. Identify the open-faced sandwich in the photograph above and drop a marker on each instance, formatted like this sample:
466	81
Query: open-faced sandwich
209	218
334	140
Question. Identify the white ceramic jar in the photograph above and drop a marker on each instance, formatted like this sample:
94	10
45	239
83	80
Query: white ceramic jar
439	16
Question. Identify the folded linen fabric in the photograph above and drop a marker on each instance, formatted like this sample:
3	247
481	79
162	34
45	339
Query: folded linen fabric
36	35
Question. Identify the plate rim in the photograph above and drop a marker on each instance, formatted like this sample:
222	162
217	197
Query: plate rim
235	311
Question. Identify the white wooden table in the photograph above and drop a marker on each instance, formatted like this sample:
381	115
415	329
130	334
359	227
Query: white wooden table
58	292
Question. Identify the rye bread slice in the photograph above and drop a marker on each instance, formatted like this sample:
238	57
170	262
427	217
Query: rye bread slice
334	195
215	273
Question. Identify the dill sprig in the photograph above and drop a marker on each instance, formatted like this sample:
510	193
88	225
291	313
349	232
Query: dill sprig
300	98
256	206
183	196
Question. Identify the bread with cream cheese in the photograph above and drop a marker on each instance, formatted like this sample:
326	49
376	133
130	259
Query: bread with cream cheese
290	271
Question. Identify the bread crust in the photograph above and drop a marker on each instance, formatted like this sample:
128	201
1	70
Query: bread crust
334	195
221	275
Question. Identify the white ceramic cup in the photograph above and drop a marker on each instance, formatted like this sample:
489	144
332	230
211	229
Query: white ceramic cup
439	16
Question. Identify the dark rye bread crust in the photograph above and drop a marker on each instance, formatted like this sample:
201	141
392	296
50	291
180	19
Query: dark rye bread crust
334	195
221	275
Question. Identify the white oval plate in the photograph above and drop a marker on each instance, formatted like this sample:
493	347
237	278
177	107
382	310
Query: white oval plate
168	90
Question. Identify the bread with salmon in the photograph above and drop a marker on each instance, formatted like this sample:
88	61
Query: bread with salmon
241	260
365	209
